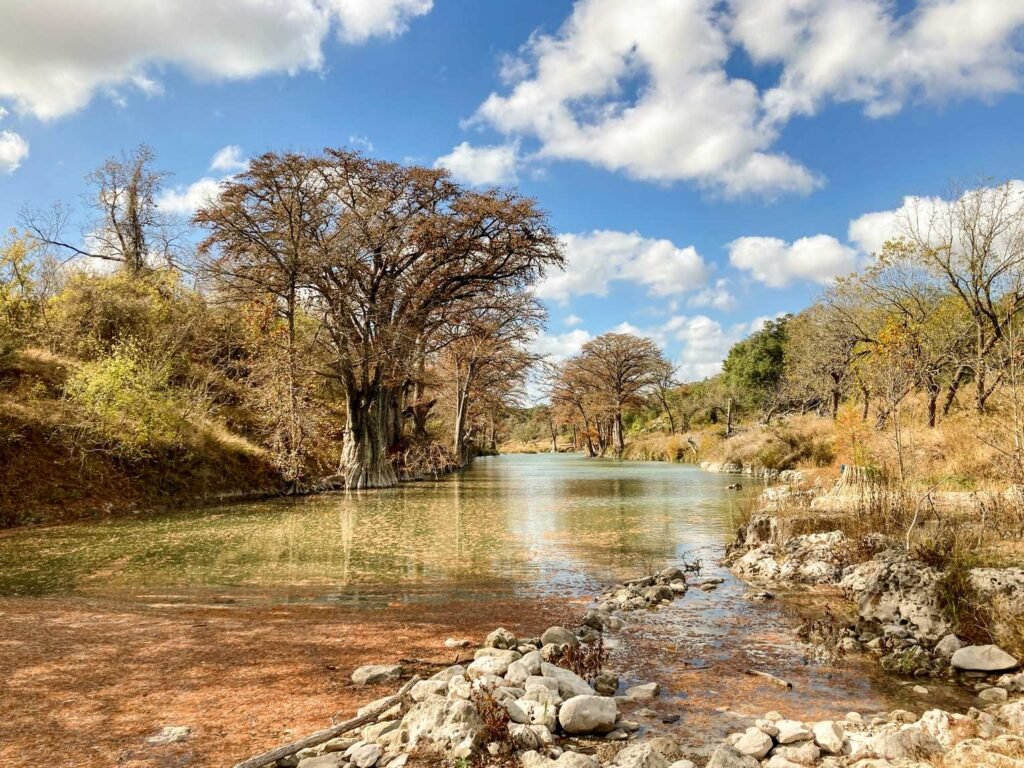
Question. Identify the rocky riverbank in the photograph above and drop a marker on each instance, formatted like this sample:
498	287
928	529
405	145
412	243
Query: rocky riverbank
548	701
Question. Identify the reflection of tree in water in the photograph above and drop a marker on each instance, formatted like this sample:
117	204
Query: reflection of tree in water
503	524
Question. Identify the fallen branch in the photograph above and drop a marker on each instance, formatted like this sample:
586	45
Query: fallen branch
771	679
329	733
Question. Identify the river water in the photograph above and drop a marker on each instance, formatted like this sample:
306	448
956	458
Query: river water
511	527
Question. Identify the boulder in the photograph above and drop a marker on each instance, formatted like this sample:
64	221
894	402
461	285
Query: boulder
371	674
801	753
1000	752
829	736
363	754
425	688
588	714
909	743
507	655
170	734
791	731
1013	716
993	696
948	645
569	683
983	658
487	665
754	742
640	756
727	757
500	638
559	636
440	722
896	589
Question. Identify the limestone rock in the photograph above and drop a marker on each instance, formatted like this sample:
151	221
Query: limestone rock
371	674
644	692
569	683
909	743
640	756
440	722
727	757
948	645
791	731
170	734
588	714
559	636
829	736
487	665
754	742
363	754
500	638
606	684
983	658
993	696
334	760
802	753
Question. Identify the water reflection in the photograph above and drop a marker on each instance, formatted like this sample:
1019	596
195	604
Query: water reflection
508	526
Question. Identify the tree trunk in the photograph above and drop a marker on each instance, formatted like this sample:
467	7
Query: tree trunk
953	389
728	418
365	459
933	398
837	394
617	436
867	402
461	411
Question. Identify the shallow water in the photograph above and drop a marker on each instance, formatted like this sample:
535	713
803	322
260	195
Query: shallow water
511	525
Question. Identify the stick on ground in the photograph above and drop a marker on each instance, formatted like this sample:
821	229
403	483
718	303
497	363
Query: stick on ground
329	733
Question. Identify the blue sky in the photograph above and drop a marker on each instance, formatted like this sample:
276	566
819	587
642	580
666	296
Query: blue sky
710	162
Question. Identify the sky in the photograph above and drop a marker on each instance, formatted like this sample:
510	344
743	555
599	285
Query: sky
708	164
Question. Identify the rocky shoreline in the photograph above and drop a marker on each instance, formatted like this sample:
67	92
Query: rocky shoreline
546	702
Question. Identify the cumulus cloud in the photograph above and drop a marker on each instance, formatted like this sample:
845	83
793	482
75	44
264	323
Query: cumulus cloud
53	63
596	259
715	296
229	159
643	87
13	150
482	166
560	346
185	200
776	263
572	320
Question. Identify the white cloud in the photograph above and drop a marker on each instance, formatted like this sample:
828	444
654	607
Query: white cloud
560	346
363	19
229	159
185	200
361	141
642	87
54	60
595	259
776	263
715	296
482	166
573	320
13	149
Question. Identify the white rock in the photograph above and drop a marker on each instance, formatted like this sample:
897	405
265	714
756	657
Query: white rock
569	683
449	672
516	713
948	645
500	638
992	696
640	756
487	665
683	764
170	734
363	754
644	692
506	655
452	642
559	636
446	724
727	757
370	674
983	658
1013	716
754	742
803	753
425	688
829	736
588	714
791	731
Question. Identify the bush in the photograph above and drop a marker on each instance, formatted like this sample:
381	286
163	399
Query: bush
126	405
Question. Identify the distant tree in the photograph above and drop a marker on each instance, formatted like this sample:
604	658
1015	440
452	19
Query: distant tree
754	369
819	354
129	228
620	368
974	240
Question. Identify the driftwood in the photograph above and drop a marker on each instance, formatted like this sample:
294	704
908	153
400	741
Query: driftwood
771	679
329	733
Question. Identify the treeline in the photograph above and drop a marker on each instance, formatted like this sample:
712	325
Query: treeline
929	329
357	320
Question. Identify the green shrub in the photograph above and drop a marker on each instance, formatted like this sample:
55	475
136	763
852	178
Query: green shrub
126	406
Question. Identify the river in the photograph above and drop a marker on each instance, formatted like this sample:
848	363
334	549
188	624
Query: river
509	530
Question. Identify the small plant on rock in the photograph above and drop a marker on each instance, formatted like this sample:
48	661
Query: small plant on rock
494	715
586	659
